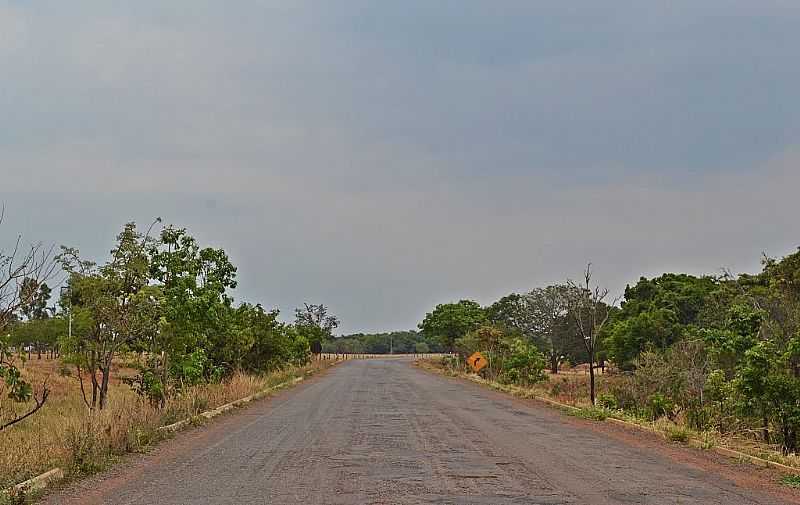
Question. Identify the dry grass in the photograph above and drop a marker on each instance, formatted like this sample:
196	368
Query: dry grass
66	434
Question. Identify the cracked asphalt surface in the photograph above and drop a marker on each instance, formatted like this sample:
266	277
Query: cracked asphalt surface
386	432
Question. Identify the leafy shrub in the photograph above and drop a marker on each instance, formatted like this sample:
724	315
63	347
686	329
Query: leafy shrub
659	406
524	364
607	401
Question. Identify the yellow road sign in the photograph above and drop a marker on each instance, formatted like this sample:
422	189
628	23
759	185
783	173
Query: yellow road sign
477	361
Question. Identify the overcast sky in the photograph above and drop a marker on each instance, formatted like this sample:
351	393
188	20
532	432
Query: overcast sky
381	157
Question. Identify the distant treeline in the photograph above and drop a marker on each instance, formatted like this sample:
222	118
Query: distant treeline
398	342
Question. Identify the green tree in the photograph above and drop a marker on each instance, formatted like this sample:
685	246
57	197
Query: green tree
35	295
627	338
451	321
315	324
118	304
421	348
270	342
542	316
194	307
655	313
511	359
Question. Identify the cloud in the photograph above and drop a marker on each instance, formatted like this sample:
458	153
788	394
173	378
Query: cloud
381	158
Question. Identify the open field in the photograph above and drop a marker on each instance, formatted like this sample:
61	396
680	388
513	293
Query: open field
66	434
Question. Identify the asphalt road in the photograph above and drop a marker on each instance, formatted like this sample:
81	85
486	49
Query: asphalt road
385	432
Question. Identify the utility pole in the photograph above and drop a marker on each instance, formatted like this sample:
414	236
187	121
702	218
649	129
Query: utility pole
391	344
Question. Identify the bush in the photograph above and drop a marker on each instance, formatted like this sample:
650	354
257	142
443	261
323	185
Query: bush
523	365
659	406
607	401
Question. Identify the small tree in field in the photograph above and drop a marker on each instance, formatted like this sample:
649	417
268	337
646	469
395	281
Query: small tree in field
117	302
588	307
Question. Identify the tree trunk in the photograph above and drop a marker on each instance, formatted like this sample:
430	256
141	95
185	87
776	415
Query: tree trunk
162	402
106	372
83	389
554	363
591	377
789	438
95	387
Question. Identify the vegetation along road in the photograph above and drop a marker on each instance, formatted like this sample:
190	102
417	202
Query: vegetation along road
384	432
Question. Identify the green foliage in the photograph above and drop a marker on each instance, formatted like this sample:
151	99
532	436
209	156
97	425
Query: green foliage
167	298
511	359
792	481
542	316
315	325
399	342
659	406
590	413
34	296
607	401
16	388
193	368
656	313
270	343
149	385
39	334
522	363
451	321
194	305
629	337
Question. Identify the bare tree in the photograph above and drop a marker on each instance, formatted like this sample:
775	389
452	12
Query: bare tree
316	315
23	265
35	263
588	307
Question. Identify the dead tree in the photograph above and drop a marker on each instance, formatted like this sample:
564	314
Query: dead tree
588	307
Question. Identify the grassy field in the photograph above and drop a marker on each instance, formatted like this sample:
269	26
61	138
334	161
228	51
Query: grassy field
66	434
